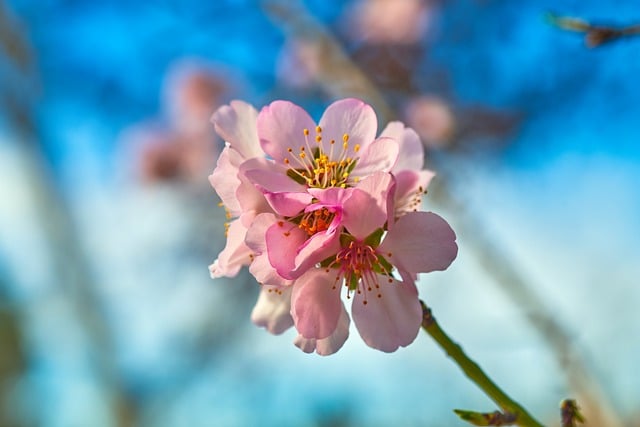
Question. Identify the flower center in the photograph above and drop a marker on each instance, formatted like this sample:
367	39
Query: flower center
361	266
316	221
320	166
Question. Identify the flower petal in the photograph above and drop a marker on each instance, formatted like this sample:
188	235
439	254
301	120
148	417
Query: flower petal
225	181
272	310
316	304
352	117
379	156
318	247
332	343
411	152
391	320
420	242
280	126
410	186
283	240
285	196
234	255
237	124
366	209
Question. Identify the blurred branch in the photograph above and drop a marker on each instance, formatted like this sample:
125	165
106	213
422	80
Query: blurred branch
338	74
595	35
71	269
19	86
342	77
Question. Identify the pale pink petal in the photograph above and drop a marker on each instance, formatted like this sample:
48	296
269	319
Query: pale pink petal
391	320
237	124
260	267
366	209
379	156
316	304
255	237
288	204
352	117
332	196
420	242
285	196
329	345
272	310
410	187
281	126
283	240
250	198
317	248
411	152
234	255
265	273
225	180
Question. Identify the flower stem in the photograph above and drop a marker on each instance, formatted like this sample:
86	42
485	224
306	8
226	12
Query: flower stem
474	372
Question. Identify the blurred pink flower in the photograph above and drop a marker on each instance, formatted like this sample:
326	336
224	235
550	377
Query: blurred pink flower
390	21
432	119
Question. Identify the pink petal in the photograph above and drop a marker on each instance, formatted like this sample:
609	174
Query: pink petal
329	345
283	240
265	273
280	126
420	242
272	310
317	248
234	255
332	196
390	321
379	156
225	181
411	152
352	117
255	238
316	304
237	124
366	209
285	196
410	186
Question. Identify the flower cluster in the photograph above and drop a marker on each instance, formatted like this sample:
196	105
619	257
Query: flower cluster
318	210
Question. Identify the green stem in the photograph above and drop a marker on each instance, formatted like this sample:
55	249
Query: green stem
474	372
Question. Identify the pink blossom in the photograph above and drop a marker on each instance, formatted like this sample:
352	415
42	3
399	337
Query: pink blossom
310	215
386	309
343	150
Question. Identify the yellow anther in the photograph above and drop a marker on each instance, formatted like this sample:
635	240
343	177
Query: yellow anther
345	137
306	132
356	148
345	145
345	175
302	155
318	138
318	129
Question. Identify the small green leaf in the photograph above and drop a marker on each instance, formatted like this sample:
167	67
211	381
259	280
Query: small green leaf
374	238
495	418
296	176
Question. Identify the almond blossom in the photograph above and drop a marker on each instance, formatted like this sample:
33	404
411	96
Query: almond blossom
318	207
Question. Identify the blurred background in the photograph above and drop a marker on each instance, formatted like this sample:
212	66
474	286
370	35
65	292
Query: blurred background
108	316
